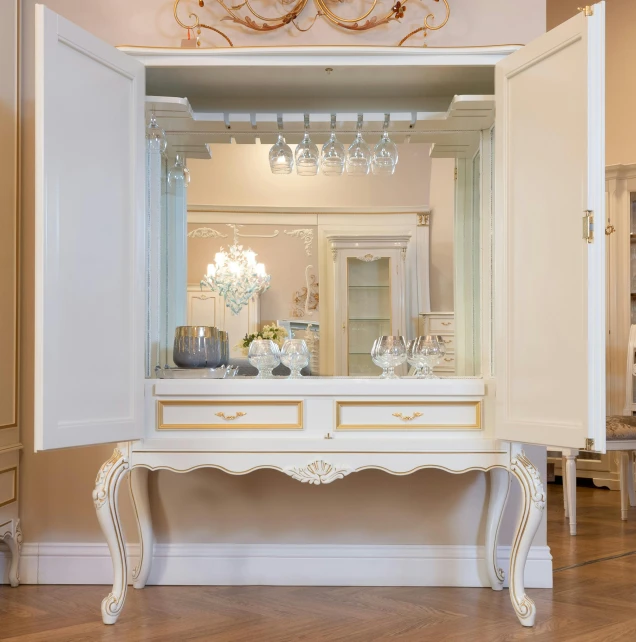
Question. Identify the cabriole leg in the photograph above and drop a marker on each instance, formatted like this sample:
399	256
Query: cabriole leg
625	482
564	479
499	485
569	489
533	505
141	506
630	479
109	478
12	537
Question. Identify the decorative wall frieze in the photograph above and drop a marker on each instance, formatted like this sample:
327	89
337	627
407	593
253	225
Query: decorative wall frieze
368	258
306	235
206	233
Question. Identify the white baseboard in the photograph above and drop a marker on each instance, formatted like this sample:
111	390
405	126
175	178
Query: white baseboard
277	564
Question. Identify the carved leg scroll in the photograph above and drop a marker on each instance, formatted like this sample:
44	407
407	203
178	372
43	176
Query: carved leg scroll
141	506
12	537
105	495
499	485
533	505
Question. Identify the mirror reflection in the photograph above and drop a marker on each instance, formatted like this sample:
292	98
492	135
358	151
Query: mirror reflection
345	291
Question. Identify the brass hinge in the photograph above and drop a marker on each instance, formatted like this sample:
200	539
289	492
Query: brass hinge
589	444
587	10
456	173
588	226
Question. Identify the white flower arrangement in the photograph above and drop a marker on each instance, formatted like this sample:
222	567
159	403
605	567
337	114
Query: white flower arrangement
274	332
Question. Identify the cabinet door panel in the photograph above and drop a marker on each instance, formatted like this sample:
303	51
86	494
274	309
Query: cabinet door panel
89	291
550	288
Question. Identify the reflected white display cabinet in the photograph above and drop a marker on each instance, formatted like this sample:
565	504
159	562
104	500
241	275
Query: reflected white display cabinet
206	307
370	289
549	128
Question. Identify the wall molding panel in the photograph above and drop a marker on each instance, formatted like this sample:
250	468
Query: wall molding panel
277	564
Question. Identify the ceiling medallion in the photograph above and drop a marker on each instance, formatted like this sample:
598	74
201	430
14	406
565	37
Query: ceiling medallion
243	13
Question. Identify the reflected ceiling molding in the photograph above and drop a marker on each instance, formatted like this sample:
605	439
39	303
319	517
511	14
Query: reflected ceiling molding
306	235
206	233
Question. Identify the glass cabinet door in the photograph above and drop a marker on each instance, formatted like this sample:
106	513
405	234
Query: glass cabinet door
368	310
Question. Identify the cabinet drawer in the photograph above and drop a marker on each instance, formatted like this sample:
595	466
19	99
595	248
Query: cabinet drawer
229	415
441	325
408	415
446	364
449	342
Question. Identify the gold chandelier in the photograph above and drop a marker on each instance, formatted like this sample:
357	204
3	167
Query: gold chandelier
243	13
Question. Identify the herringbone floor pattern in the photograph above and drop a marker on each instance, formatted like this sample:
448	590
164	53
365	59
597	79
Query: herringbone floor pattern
591	602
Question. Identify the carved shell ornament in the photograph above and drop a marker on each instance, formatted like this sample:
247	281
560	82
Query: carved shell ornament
318	472
302	15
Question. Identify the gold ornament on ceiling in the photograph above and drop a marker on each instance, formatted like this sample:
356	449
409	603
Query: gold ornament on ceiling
245	14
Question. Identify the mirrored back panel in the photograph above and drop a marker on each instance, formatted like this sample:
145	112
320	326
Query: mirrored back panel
339	280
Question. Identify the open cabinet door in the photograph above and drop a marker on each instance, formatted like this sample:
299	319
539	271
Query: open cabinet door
550	278
89	221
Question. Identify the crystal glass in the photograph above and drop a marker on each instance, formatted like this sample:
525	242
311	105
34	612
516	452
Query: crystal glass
179	173
155	136
429	351
385	156
264	354
358	157
281	159
392	351
295	355
378	360
332	157
413	358
307	157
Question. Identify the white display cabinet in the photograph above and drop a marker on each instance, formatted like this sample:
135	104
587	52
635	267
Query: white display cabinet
542	322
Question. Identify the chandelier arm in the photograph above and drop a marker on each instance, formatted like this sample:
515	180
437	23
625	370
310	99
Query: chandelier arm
300	5
313	22
248	22
430	15
338	20
204	26
408	35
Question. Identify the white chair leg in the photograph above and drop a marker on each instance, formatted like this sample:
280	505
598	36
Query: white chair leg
565	486
625	482
570	488
630	479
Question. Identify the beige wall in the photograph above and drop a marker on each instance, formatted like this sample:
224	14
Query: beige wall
620	129
263	507
239	176
442	199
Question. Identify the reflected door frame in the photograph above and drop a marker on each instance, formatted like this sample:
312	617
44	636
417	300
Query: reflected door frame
399	248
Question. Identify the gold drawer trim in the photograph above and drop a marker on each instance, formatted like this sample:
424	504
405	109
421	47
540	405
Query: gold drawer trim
161	404
409	426
13	470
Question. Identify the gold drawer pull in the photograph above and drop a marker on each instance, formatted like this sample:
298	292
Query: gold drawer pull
399	415
446	322
230	417
448	359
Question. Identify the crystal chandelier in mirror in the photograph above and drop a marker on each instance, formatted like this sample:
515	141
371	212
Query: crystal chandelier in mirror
332	157
385	153
236	275
281	158
307	156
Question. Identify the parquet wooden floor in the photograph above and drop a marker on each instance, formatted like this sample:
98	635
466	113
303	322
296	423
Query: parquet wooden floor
592	601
